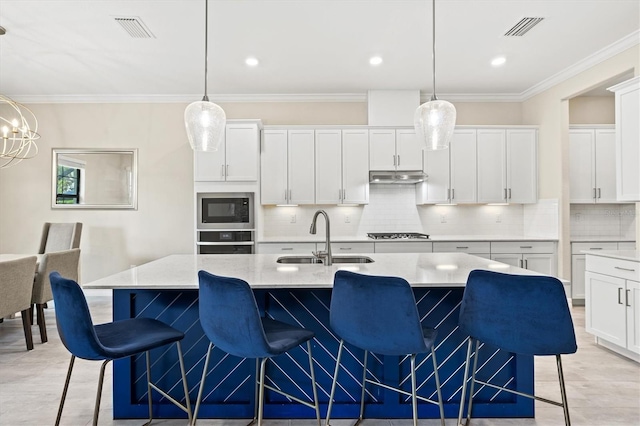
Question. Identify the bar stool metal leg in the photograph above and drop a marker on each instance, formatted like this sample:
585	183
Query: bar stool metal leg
364	384
438	390
563	392
64	390
263	363
96	410
335	381
184	382
149	398
414	399
313	383
202	380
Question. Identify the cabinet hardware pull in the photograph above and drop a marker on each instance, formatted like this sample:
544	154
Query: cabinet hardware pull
453	193
505	193
394	159
520	262
227	171
594	193
285	195
626	298
619	301
286	248
624	269
509	193
595	248
346	248
526	246
526	264
344	194
599	193
462	248
448	194
398	160
222	170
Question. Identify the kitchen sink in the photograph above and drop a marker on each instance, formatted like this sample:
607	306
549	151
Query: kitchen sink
313	259
299	259
352	259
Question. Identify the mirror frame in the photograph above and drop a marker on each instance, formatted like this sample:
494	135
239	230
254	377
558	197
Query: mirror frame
133	205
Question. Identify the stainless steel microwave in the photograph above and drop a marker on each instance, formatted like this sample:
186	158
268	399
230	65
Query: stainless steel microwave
225	210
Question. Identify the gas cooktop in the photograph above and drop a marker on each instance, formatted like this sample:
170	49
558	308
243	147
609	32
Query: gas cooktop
397	236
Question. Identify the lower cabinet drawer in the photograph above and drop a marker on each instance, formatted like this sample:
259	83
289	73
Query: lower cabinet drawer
461	247
286	248
625	269
523	247
341	248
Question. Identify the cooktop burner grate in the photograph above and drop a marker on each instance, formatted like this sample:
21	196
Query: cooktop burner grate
397	236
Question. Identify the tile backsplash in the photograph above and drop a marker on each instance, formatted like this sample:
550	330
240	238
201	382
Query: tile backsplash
616	221
392	208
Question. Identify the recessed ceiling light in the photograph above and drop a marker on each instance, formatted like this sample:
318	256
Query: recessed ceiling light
375	60
500	60
251	61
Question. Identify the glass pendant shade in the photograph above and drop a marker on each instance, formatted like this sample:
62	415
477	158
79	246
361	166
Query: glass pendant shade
434	122
205	124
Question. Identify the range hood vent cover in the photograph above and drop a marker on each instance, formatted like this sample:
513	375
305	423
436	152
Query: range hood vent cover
523	27
397	177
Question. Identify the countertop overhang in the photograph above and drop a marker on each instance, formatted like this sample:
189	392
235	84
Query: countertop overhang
261	271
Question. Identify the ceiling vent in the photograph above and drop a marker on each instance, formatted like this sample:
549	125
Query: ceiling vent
523	27
134	26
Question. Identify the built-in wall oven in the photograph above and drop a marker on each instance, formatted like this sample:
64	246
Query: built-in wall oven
225	223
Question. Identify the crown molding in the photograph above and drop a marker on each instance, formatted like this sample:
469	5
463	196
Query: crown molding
621	45
601	55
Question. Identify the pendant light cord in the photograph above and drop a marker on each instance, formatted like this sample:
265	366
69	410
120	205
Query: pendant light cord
433	51
206	50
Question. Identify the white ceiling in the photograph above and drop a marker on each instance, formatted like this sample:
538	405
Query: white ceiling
75	50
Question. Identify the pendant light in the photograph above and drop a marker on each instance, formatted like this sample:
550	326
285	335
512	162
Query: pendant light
435	120
204	120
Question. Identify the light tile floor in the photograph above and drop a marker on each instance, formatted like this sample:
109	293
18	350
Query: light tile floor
603	388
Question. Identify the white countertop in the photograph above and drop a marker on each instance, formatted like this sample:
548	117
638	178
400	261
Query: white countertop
632	255
180	271
432	238
601	240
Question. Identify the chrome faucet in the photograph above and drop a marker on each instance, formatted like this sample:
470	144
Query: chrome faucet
327	253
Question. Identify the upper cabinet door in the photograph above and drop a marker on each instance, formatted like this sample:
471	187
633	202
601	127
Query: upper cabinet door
241	152
581	166
522	170
301	179
329	166
628	140
492	185
408	150
355	166
436	189
273	182
463	151
382	149
605	165
209	166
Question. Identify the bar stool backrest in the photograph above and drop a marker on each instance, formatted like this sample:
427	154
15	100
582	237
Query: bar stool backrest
376	313
524	314
73	319
230	318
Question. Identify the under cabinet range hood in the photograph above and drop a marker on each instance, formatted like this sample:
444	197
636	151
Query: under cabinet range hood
397	177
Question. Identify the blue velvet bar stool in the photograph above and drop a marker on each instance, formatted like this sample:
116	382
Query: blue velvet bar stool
522	314
230	319
379	314
109	341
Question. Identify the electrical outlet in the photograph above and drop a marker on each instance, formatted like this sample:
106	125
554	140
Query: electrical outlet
293	218
443	218
498	218
578	217
347	218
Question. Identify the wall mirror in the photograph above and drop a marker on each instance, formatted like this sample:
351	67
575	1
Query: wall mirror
94	179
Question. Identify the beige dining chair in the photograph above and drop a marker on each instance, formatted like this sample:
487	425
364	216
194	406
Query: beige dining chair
66	262
16	284
60	236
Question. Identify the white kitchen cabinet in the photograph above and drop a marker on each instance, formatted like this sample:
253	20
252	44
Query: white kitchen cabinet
612	303
592	165
237	157
394	149
451	172
403	247
342	167
288	167
476	248
627	104
507	166
538	256
286	248
578	264
348	247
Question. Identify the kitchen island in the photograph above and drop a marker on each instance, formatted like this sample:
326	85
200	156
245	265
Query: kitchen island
167	289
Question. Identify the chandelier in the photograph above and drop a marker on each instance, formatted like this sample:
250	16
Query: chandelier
204	120
435	120
18	132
